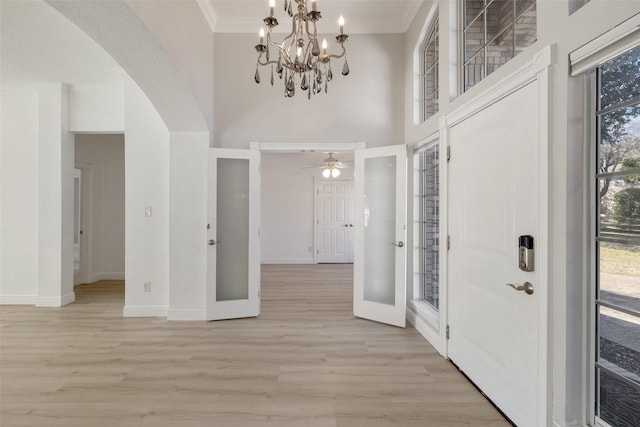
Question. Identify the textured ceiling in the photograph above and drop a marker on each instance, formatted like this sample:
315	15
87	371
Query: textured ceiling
38	44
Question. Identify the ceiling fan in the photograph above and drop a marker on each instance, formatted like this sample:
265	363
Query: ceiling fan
331	167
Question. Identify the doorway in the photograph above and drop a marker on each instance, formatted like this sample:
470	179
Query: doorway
99	209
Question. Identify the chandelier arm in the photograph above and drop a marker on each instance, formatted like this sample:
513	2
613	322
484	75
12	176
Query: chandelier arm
266	62
331	55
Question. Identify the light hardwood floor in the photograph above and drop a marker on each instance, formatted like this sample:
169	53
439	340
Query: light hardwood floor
306	361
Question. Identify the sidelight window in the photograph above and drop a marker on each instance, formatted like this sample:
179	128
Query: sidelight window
428	224
617	241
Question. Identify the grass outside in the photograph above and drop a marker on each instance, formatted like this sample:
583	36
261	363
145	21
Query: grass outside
616	261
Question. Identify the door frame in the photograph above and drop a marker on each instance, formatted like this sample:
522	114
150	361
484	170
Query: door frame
316	182
306	147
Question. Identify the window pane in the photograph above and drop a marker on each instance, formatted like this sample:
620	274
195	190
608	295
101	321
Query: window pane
523	5
526	28
619	342
619	401
472	10
474	70
620	79
620	210
619	280
500	50
474	38
499	16
619	139
429	225
429	82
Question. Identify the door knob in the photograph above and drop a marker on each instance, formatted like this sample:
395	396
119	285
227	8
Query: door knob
212	242
527	287
399	244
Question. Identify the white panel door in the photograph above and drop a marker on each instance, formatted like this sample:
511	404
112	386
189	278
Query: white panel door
379	291
494	197
334	216
233	259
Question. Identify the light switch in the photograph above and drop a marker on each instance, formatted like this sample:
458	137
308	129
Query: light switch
147	211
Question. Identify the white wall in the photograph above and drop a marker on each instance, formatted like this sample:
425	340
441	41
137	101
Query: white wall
366	106
183	31
37	208
288	205
567	201
101	157
18	195
147	186
96	109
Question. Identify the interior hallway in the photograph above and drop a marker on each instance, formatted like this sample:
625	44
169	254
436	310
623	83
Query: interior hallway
306	361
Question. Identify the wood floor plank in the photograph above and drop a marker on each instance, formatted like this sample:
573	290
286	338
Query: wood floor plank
306	361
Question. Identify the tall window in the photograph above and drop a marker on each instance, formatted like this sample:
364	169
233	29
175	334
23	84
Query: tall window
429	54
617	241
428	224
494	31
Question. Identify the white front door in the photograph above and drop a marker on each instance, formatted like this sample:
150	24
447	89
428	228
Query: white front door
334	217
379	291
494	197
233	259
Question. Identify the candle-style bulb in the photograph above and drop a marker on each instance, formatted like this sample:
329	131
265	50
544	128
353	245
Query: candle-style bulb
324	46
314	6
272	7
261	33
341	24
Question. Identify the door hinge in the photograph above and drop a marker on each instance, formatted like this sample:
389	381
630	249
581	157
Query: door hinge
448	242
447	332
448	153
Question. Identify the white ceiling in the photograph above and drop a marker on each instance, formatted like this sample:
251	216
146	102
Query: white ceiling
38	44
361	16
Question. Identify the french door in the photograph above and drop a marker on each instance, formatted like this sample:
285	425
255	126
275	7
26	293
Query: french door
233	282
233	258
379	291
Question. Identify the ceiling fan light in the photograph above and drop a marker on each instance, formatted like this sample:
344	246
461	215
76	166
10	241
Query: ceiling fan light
335	172
326	173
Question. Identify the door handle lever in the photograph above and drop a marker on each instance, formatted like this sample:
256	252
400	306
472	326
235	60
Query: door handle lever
399	244
526	287
211	242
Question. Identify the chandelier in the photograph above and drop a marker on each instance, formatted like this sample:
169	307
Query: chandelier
299	55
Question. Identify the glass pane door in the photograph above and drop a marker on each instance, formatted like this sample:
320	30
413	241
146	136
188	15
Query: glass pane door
379	265
233	288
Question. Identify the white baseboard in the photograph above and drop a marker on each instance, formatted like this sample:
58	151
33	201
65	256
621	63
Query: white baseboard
56	301
18	299
287	261
187	314
425	329
105	276
145	311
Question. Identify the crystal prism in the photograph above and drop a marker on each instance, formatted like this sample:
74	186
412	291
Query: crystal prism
305	84
257	76
326	86
285	5
329	75
316	49
271	74
279	67
345	68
